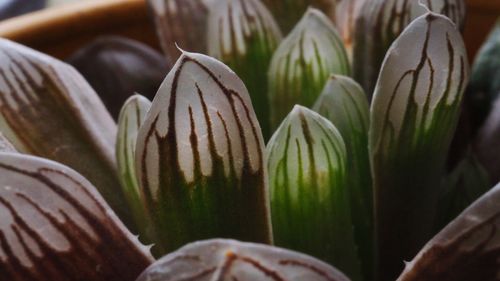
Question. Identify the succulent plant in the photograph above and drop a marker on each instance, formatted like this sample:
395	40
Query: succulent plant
116	67
361	187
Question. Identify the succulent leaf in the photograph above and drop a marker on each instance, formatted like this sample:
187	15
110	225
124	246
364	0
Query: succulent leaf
47	109
226	260
244	35
464	185
116	67
180	23
467	249
55	226
5	145
289	12
302	64
344	103
131	118
413	117
200	158
487	144
484	86
380	22
307	162
346	15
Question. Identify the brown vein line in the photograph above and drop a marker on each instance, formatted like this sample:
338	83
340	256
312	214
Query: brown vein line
311	267
198	275
13	264
195	149
208	120
232	165
310	149
266	271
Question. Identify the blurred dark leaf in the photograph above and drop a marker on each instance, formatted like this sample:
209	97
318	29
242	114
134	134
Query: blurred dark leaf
13	8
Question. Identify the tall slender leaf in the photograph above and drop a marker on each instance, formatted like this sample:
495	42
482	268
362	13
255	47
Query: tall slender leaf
130	120
344	103
55	226
200	158
346	17
48	109
288	12
180	23
307	163
302	64
380	22
244	35
467	249
413	118
226	260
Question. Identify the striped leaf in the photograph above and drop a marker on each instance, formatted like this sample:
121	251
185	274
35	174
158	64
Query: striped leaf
244	35
380	22
288	12
130	120
467	249
54	226
5	145
302	64
346	16
413	117
47	109
180	23
307	163
344	103
226	260
200	158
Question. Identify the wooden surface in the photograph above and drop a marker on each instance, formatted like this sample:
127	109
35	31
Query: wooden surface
59	31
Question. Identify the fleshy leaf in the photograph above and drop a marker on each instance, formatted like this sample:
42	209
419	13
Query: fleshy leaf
47	109
307	163
200	158
467	249
226	260
487	144
131	118
244	35
346	15
413	117
464	185
180	23
288	12
380	22
484	86
5	145
55	226
116	67
302	64
344	103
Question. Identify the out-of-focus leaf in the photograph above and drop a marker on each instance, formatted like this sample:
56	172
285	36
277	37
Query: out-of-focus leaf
200	158
229	260
5	145
484	86
288	12
48	109
181	23
302	64
467	249
244	35
13	8
380	22
55	226
344	103
413	117
310	208
131	118
117	67
464	185
346	15
487	144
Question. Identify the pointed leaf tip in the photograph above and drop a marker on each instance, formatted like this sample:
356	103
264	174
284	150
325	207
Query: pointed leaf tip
200	154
